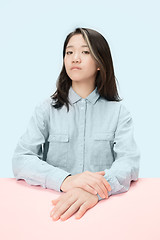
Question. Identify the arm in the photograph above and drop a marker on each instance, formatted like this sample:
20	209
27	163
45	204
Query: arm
125	168
27	161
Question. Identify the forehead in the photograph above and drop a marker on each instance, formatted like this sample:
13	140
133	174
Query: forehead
77	41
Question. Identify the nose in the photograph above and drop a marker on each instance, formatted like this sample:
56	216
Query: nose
76	58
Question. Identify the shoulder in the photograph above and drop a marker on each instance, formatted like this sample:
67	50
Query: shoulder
44	104
116	110
114	105
42	109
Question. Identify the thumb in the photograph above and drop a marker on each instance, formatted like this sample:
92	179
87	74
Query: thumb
54	202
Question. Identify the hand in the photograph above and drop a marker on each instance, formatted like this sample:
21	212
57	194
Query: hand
92	182
75	199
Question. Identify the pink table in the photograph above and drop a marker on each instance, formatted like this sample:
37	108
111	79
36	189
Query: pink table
25	214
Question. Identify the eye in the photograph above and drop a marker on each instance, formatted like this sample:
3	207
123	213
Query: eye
86	52
68	52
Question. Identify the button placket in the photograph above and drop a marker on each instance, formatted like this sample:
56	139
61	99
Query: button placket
82	130
83	102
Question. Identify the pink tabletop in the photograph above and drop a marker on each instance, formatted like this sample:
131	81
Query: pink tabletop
25	214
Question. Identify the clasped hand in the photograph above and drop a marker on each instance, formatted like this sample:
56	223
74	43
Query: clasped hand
80	194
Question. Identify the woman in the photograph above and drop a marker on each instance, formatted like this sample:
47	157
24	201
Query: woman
80	141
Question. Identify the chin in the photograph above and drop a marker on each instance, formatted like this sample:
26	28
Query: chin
76	78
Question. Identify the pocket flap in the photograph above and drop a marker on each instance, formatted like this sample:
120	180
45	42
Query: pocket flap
104	136
58	138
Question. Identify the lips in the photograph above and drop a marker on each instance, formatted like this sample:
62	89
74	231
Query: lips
75	68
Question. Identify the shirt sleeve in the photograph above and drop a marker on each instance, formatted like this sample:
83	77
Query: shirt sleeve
28	162
125	167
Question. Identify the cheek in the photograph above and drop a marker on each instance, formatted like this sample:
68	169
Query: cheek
66	65
92	63
92	67
64	61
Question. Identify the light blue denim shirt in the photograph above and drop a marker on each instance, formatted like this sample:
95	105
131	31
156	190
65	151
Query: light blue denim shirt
95	135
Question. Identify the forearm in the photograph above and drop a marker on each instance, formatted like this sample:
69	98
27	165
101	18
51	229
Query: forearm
125	167
122	172
36	171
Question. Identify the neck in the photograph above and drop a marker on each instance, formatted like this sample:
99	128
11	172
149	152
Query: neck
83	90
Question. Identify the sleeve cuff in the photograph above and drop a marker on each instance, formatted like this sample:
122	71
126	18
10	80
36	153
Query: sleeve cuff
116	187
113	182
63	180
55	179
99	198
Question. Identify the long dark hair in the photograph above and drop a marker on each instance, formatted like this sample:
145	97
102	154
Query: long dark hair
105	79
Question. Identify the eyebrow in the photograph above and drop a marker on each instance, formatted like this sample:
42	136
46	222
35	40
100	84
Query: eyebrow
73	46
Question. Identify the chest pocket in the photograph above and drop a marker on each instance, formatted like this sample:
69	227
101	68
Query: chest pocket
103	149
58	150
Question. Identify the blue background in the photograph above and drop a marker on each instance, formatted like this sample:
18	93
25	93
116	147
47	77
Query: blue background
32	34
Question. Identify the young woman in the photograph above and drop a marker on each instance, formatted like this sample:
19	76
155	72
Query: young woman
80	140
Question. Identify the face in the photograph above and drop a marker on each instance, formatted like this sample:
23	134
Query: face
77	54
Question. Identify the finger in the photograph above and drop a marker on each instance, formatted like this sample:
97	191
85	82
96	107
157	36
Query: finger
71	210
52	212
82	210
54	202
105	182
63	207
57	202
101	172
104	186
98	185
104	190
101	191
89	189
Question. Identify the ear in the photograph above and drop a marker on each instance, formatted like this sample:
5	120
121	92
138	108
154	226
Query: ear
98	68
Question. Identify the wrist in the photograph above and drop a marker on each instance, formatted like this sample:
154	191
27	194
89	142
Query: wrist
63	187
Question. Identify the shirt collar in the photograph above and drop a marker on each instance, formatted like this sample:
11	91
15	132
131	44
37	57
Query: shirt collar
74	97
